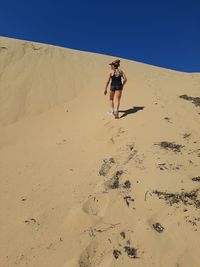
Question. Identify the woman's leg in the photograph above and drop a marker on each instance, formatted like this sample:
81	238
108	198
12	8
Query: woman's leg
117	98
111	98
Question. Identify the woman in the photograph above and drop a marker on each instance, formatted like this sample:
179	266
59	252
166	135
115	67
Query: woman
116	87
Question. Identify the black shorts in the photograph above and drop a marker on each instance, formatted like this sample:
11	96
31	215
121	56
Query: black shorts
116	87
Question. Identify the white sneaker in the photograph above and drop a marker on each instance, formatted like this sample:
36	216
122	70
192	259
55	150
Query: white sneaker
110	112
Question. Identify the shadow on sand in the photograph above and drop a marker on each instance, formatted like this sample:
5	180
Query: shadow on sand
130	111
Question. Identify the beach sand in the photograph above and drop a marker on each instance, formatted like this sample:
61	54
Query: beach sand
79	188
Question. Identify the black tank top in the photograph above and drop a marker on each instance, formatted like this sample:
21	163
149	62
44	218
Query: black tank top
116	78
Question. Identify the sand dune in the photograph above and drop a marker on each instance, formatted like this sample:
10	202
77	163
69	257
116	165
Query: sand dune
79	188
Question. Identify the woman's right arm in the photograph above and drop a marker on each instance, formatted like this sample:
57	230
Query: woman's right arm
107	83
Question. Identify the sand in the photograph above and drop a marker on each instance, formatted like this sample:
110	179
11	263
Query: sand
79	188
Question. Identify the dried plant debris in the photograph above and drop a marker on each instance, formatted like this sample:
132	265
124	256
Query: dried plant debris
127	184
131	251
113	183
187	198
94	231
128	199
170	146
187	135
193	220
195	100
169	166
32	221
158	227
116	253
123	234
130	147
105	167
196	179
167	119
115	179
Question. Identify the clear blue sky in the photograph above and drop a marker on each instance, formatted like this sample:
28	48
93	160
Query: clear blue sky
162	33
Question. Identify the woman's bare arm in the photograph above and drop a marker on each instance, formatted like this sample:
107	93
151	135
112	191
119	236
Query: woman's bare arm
124	78
107	83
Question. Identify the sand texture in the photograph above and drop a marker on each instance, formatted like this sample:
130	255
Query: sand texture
79	188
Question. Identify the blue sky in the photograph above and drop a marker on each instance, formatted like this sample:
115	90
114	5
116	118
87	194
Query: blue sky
161	33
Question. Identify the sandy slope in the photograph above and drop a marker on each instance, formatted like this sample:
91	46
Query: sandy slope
76	185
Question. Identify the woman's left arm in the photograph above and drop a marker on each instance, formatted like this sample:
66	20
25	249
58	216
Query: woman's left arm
124	78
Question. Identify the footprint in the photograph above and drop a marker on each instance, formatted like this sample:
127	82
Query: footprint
113	182
61	142
124	246
106	166
71	263
97	253
96	205
118	133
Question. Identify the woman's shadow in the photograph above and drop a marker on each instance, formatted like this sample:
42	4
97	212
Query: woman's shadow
130	111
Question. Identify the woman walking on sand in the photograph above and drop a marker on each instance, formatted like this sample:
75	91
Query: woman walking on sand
116	87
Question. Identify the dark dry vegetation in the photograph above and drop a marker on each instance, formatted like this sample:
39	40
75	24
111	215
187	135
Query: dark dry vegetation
195	100
128	199
131	252
128	249
127	184
170	146
196	179
165	166
105	167
122	234
187	198
116	253
167	119
158	227
113	183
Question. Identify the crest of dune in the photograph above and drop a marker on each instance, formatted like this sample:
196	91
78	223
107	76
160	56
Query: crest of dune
35	77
